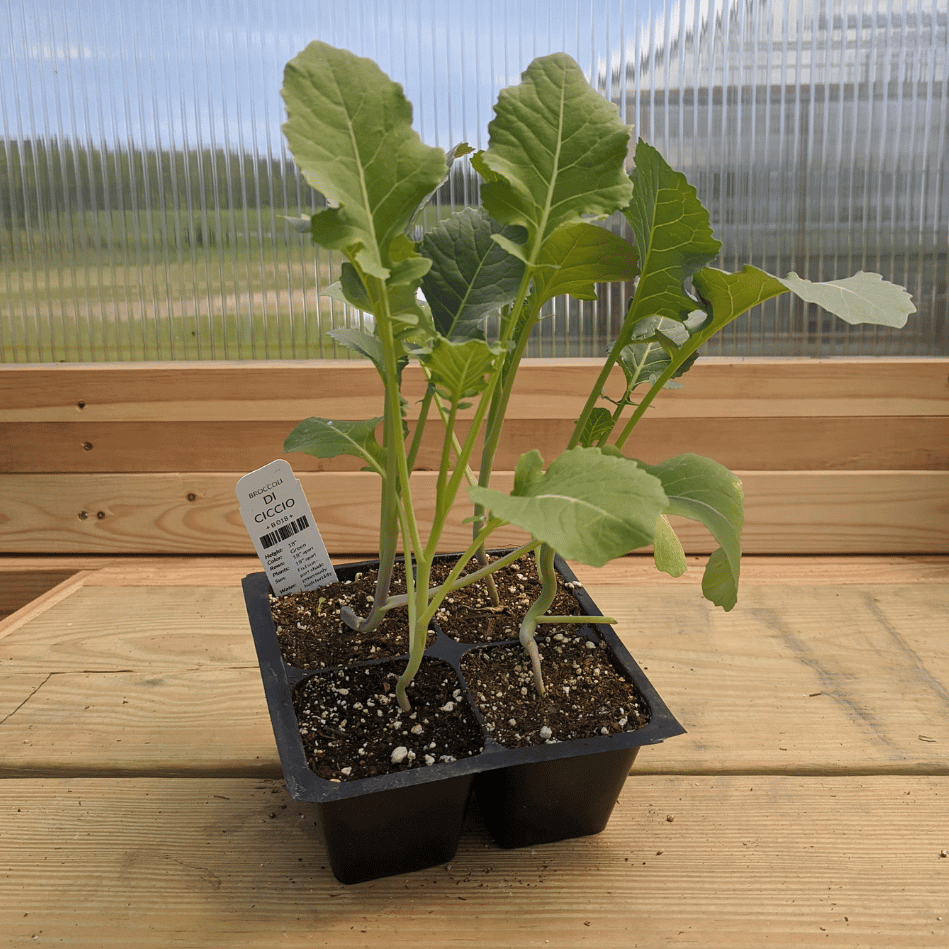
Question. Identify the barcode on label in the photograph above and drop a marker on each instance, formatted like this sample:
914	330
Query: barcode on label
282	533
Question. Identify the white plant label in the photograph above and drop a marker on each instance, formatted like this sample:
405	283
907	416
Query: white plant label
280	523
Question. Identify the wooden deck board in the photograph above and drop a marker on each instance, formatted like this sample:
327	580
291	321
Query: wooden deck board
123	723
635	570
786	512
798	443
823	679
141	801
135	629
764	861
286	391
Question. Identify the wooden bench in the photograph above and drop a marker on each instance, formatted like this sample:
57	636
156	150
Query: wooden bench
836	456
142	801
141	797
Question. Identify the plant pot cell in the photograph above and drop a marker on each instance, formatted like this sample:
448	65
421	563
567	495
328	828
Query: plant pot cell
312	636
352	727
544	802
586	696
468	615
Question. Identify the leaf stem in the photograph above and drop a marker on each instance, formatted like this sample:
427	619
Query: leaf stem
675	362
612	358
548	580
420	428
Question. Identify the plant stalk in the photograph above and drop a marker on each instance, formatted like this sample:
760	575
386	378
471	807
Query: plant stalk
548	579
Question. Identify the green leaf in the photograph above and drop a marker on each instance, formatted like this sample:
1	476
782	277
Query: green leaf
556	154
324	438
471	275
705	491
404	306
719	582
862	298
459	369
451	156
459	151
667	550
673	236
354	290
578	256
645	361
409	271
589	506
349	128
529	468
478	164
728	295
599	423
361	342
514	248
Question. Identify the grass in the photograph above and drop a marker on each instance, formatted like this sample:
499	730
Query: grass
114	287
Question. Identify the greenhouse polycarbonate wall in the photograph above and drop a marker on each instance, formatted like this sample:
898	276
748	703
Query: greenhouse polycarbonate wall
144	182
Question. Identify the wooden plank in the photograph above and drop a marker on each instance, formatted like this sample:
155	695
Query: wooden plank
16	689
808	443
872	512
161	723
288	391
20	587
796	679
639	570
158	630
769	861
185	513
55	563
633	570
809	679
845	512
119	570
54	588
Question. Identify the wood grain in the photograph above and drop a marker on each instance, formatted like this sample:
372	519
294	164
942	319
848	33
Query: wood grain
142	802
797	679
19	587
289	391
634	570
871	512
806	443
37	592
768	861
142	458
158	723
639	570
135	629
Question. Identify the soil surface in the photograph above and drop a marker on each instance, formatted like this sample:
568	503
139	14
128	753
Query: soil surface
586	695
469	615
312	636
352	726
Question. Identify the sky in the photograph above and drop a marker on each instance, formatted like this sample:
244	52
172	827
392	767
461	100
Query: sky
174	74
166	72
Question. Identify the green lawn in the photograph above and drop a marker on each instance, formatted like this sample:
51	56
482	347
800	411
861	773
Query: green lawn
137	286
94	290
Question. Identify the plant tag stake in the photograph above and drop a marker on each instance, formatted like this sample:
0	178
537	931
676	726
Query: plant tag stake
280	523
